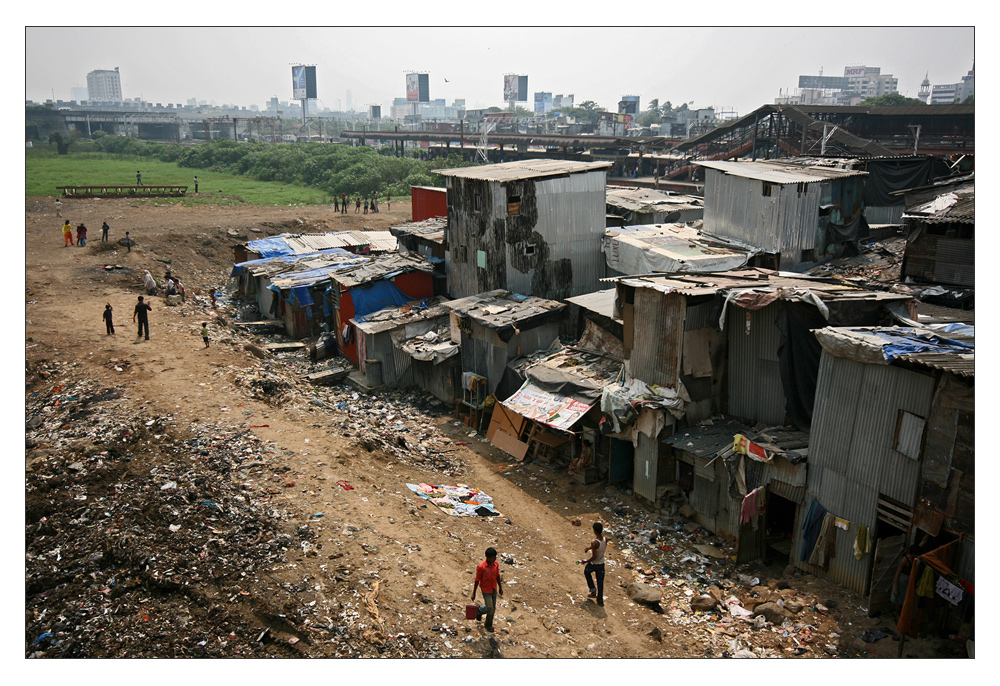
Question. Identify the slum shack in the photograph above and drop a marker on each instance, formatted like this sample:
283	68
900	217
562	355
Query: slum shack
941	238
737	343
254	277
357	242
409	345
427	239
741	483
597	327
670	248
891	460
629	206
532	227
383	281
556	410
793	214
494	327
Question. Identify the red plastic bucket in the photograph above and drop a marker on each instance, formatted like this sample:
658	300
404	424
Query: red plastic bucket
471	611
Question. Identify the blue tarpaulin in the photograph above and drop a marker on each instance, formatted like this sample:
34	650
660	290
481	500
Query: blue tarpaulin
905	343
347	255
374	297
274	246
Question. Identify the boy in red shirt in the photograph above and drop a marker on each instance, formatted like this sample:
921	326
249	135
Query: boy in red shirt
488	579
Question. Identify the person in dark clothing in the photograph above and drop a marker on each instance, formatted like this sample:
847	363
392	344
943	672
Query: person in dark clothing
107	319
595	564
336	204
138	178
196	184
104	232
141	314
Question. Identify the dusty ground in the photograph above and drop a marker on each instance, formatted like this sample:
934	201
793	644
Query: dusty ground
369	554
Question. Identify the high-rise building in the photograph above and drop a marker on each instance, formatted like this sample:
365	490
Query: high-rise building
948	93
104	85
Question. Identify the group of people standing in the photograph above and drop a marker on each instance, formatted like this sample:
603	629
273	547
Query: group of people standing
489	580
81	234
369	204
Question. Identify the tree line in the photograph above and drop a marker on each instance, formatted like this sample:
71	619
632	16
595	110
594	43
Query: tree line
333	168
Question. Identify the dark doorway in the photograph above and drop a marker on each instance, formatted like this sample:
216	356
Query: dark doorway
780	522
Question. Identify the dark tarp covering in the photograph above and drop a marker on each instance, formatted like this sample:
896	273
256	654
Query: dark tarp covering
886	176
798	358
554	381
510	382
854	230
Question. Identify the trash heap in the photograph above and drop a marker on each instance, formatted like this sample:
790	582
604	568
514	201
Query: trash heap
686	573
144	538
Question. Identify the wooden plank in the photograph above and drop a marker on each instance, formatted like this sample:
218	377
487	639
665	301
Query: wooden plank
505	419
510	445
297	345
327	376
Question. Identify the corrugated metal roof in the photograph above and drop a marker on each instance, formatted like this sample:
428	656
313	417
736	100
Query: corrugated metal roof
429	229
601	302
779	172
273	266
866	344
302	244
757	278
356	273
499	308
649	200
670	248
958	206
394	317
523	169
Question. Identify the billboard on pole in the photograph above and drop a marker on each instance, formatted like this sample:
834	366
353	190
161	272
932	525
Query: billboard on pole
543	103
418	88
303	82
515	88
375	112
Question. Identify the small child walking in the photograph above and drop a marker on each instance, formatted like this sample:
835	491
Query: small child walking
107	319
204	333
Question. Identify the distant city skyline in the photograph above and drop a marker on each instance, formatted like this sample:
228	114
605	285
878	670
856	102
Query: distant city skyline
733	68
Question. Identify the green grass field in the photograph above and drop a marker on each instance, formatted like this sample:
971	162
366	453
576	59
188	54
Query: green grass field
44	171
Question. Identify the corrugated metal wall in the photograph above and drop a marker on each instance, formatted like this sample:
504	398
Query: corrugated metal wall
658	324
489	357
645	466
755	392
851	455
941	259
570	221
786	222
885	214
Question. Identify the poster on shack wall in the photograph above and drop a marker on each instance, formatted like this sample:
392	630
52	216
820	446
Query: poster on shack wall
558	411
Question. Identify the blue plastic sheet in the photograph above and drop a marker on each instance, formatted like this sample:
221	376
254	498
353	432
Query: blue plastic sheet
377	296
906	343
270	247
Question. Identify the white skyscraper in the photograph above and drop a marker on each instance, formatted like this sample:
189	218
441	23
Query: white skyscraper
104	85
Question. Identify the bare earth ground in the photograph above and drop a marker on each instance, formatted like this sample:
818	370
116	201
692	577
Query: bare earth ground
371	571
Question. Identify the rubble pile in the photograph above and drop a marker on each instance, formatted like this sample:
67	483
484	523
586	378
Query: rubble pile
878	263
146	539
700	588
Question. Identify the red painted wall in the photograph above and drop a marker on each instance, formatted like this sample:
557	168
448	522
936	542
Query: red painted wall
428	202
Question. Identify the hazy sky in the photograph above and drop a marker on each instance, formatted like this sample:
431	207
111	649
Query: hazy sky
735	68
